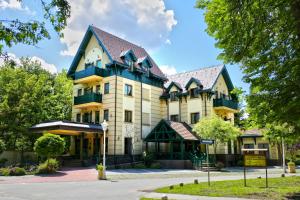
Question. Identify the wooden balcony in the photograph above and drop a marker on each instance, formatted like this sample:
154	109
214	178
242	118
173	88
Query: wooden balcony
90	74
225	104
88	100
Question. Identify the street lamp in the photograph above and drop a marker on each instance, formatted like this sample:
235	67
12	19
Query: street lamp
104	125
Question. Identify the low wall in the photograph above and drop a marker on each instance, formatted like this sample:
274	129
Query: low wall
14	157
175	164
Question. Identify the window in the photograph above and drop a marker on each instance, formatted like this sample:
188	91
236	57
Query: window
97	117
175	118
146	119
106	115
88	90
229	147
249	146
127	146
106	144
79	92
128	116
128	90
78	117
146	94
106	88
86	117
263	146
129	62
173	96
195	118
98	63
98	89
194	93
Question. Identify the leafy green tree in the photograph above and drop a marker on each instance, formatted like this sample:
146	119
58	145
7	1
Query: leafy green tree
14	31
49	146
2	146
263	37
30	95
214	127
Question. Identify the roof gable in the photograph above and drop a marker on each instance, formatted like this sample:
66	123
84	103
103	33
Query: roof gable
174	84
193	80
128	54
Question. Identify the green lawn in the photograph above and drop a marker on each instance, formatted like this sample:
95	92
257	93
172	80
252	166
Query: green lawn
278	188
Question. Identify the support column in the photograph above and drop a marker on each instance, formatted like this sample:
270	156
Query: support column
81	146
182	149
97	147
171	150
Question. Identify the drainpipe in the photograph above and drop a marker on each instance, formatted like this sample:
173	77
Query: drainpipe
205	109
168	116
141	107
179	104
115	133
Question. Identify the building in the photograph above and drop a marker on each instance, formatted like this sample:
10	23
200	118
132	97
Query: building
117	81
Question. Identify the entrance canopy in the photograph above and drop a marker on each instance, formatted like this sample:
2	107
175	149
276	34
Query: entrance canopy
167	130
66	128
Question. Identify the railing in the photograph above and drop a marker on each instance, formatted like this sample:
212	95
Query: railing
89	72
227	103
88	98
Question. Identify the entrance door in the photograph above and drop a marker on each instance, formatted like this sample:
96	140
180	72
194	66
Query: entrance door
128	146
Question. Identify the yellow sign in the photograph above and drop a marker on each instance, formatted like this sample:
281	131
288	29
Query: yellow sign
253	160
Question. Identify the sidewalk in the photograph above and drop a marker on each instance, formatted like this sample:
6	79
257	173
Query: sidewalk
187	197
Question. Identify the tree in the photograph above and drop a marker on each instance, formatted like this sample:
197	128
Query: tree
262	36
31	95
49	146
214	127
14	31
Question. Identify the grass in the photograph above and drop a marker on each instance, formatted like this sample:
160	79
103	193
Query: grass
144	198
279	188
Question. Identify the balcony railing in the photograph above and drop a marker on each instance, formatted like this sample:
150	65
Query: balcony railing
88	98
226	103
90	72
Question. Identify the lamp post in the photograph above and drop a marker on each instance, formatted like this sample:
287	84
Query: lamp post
104	125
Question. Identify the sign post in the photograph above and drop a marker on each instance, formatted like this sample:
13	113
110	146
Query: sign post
255	160
207	142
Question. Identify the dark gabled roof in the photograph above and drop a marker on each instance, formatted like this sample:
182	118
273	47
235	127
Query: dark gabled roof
128	52
207	77
193	80
113	46
252	133
66	125
177	85
169	130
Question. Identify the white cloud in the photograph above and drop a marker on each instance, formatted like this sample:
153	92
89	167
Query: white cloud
146	23
168	41
14	5
47	66
168	70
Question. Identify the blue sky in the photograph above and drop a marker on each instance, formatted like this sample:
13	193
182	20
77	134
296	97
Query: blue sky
172	31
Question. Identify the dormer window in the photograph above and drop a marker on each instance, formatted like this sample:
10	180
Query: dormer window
194	93
173	96
128	57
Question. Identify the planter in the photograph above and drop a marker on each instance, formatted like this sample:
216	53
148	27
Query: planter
101	175
292	167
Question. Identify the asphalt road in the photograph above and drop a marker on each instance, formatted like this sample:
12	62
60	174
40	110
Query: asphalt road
122	189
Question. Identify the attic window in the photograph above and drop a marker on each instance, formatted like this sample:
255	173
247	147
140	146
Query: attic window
173	96
194	93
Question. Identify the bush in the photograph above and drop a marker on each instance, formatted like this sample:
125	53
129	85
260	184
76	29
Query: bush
148	158
2	146
240	163
219	165
50	166
155	165
4	171
15	171
2	162
49	145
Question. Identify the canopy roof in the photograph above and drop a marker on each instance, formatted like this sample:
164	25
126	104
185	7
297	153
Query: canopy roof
66	127
167	130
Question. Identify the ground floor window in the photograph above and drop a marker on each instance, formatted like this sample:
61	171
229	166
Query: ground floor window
249	146
78	117
175	118
195	117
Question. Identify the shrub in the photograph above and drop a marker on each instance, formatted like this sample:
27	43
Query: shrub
49	145
219	165
48	167
14	171
240	163
2	162
100	167
4	171
148	158
2	146
155	165
17	171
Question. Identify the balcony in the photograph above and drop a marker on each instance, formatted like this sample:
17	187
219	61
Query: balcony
90	74
88	100
225	104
